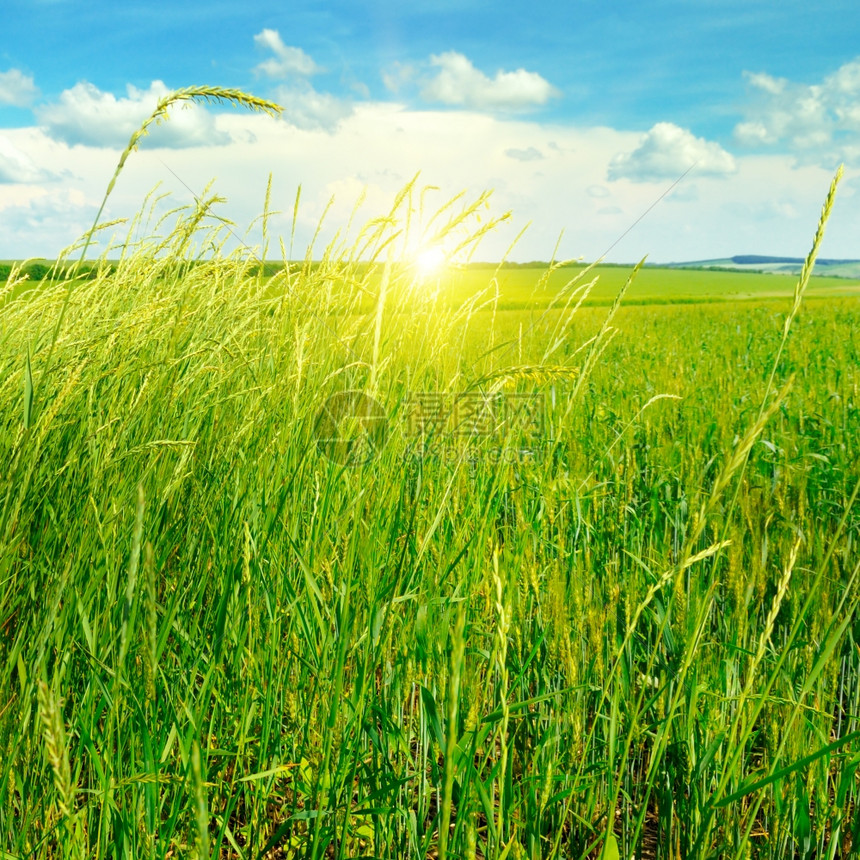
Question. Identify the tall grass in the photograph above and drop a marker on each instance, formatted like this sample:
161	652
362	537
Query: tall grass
637	638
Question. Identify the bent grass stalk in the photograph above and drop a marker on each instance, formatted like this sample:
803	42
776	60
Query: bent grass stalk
204	94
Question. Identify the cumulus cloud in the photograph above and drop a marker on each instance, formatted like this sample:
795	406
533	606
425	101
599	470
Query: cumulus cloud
306	108
43	224
16	166
86	115
287	62
459	83
528	154
17	89
383	144
820	119
666	151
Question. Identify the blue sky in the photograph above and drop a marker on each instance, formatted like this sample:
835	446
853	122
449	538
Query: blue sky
579	115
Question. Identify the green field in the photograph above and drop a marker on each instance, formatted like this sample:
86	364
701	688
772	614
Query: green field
526	288
532	287
338	562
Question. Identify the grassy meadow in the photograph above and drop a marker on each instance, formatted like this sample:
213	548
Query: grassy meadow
523	288
585	584
535	287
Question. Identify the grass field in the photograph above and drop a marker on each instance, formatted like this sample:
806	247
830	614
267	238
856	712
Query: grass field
559	581
525	288
533	288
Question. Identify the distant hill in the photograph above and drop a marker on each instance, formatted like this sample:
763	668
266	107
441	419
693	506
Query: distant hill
775	265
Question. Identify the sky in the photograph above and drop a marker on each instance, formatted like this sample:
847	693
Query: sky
677	129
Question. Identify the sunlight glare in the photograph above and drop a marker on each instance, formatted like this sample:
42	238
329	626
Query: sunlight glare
429	261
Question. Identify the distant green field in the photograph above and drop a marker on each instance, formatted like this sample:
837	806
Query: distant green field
531	287
527	288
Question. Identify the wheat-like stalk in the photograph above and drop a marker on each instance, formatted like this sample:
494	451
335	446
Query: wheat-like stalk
779	597
151	627
539	374
131	582
503	621
207	95
606	331
458	647
805	275
57	752
15	279
189	95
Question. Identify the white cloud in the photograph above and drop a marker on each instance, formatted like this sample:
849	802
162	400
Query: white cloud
86	115
43	223
17	166
17	89
766	83
460	83
668	150
528	154
361	89
381	146
306	108
398	76
287	62
817	121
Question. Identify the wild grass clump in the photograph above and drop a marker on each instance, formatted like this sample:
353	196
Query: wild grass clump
633	631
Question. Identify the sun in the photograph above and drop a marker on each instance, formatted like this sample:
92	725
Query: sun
429	261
